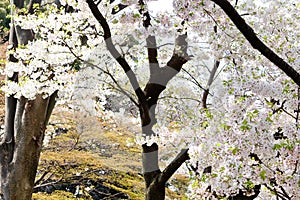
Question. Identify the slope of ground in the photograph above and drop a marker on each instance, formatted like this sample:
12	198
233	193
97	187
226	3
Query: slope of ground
89	158
85	157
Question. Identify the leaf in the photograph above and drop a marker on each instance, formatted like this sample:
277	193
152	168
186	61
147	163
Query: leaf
235	150
262	174
245	126
214	175
115	21
195	184
218	144
276	147
136	15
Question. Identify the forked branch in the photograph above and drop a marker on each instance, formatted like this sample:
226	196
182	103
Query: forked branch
114	52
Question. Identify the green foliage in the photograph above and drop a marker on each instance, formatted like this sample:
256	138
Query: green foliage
234	150
115	21
262	174
245	126
286	144
225	127
4	17
249	185
57	195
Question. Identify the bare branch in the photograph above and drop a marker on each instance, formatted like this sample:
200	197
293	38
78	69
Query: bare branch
114	52
281	108
38	181
217	24
296	167
46	184
298	106
173	166
105	72
179	98
210	81
51	105
195	81
236	2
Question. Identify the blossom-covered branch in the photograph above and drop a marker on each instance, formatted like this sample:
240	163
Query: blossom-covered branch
256	43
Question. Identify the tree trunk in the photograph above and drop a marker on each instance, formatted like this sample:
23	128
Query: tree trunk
155	191
155	180
18	170
25	124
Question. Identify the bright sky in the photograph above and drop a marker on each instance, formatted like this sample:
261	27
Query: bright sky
160	5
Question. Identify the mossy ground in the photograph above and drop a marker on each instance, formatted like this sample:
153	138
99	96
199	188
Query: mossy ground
96	151
86	153
91	153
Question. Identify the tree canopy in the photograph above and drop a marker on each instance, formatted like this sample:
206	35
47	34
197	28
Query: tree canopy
215	82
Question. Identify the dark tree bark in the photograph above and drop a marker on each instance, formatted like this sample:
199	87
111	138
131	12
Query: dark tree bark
256	43
155	179
25	124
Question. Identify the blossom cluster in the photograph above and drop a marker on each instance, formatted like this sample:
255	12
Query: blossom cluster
247	135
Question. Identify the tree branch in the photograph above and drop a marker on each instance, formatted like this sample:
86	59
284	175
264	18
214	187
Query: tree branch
210	81
255	42
179	98
242	196
114	52
122	90
51	105
159	80
150	40
173	166
298	106
194	80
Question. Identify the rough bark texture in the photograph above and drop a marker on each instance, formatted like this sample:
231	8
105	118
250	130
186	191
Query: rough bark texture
20	152
25	124
18	174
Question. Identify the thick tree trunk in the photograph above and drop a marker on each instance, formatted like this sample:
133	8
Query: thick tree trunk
18	173
25	124
155	180
155	191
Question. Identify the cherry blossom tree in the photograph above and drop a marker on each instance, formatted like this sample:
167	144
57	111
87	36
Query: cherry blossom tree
226	157
232	112
25	124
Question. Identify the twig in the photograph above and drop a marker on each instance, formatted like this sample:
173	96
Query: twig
42	177
179	98
46	184
193	78
105	72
